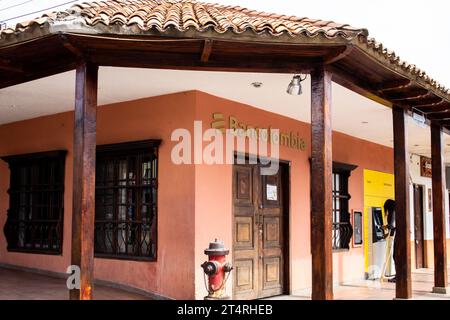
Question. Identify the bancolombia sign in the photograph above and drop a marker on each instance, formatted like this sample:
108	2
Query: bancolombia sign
287	139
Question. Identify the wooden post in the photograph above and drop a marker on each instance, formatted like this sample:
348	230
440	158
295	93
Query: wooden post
321	185
438	187
83	209
402	215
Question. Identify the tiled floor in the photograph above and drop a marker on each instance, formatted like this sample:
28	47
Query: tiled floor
376	290
20	285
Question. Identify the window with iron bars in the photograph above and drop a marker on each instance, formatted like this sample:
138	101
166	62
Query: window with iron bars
34	221
126	200
342	228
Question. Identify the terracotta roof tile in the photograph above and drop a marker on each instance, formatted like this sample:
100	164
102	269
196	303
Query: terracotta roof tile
187	14
184	14
378	48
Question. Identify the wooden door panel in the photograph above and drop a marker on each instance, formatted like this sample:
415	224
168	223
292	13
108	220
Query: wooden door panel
271	232
243	189
244	276
272	276
271	257
271	211
244	233
258	246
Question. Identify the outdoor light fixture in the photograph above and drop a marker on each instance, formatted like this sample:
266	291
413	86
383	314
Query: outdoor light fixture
257	84
295	87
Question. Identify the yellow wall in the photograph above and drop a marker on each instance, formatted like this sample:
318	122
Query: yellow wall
378	187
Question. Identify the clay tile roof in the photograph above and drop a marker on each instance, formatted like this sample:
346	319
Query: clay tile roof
184	15
378	50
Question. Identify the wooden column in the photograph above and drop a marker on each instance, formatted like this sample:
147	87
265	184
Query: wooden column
83	208
321	185
438	187
402	214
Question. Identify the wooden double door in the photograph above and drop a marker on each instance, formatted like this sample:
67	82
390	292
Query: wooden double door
260	232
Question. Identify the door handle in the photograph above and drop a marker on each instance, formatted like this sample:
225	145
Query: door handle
259	220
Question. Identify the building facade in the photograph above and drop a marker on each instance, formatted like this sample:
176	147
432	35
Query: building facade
117	198
154	240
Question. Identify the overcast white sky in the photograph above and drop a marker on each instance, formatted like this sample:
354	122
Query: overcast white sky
417	30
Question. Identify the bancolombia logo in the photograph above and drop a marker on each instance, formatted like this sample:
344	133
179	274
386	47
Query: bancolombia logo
222	144
287	139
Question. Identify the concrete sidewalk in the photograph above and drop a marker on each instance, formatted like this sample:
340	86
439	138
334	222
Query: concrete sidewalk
22	285
375	290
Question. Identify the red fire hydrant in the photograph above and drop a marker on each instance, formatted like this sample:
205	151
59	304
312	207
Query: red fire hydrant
217	270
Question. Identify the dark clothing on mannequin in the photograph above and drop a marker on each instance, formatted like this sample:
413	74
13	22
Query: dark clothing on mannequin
389	209
392	231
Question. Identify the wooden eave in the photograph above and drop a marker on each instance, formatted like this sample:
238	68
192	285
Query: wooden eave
353	64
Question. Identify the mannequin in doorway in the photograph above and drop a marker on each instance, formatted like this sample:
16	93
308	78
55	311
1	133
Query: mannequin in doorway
389	209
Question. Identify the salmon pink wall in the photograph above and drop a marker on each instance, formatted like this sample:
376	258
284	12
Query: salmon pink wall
366	155
219	177
429	253
213	206
194	201
153	118
37	135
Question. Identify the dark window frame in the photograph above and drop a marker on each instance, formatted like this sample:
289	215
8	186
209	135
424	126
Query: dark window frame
342	228
122	231
35	198
358	229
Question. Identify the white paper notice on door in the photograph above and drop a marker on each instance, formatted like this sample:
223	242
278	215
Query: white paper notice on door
271	192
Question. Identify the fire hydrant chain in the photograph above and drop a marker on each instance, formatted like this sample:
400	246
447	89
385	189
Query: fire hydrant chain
212	291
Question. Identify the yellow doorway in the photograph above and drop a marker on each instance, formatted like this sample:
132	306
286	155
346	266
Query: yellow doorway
378	187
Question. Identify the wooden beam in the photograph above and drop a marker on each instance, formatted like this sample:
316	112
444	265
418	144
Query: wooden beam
442	106
442	123
357	85
407	95
394	85
438	116
402	218
431	105
192	62
321	185
83	209
70	46
207	49
6	65
424	100
58	67
439	194
336	57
